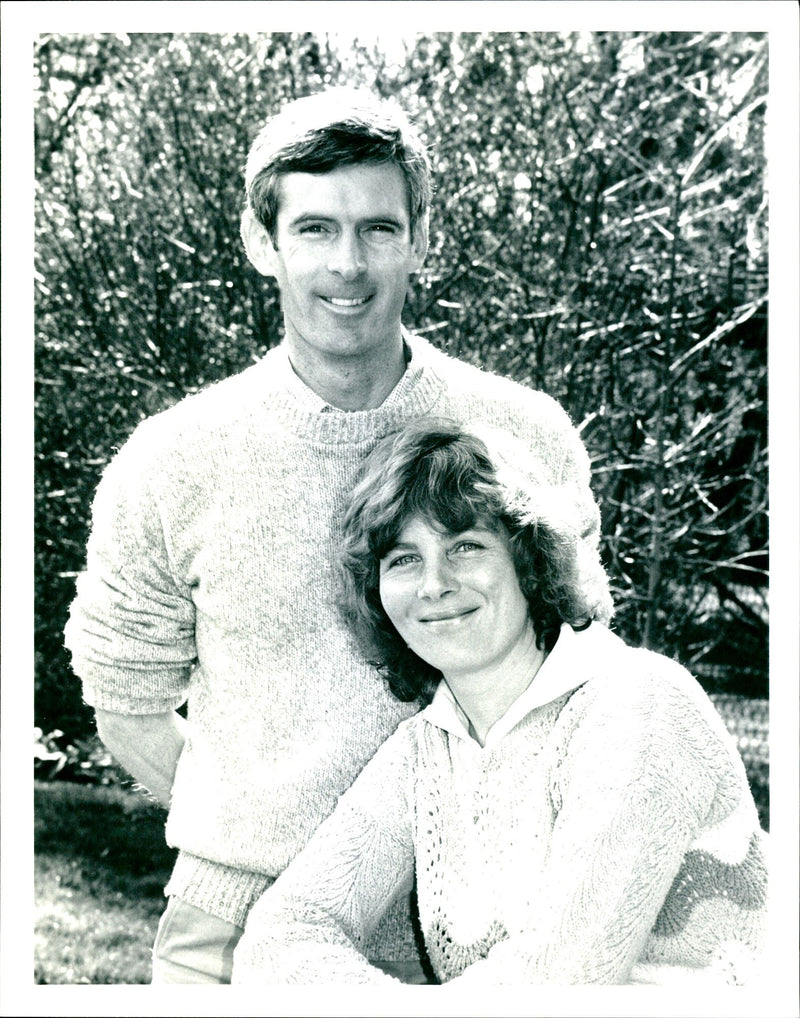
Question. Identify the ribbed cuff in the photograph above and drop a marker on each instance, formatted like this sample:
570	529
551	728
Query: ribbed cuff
222	891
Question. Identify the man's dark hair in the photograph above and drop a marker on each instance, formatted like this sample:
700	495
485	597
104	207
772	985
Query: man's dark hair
338	127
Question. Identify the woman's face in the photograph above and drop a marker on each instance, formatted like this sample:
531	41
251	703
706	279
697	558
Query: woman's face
455	598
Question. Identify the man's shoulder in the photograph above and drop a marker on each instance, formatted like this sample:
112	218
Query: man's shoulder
470	391
223	400
198	418
469	379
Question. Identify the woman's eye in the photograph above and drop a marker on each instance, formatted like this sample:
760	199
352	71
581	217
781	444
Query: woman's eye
401	560
468	546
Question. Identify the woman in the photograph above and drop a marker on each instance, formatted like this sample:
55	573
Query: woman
573	810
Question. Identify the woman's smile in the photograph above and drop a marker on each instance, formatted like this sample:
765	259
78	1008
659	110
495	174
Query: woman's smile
442	618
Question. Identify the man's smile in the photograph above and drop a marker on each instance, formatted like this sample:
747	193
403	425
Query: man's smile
347	302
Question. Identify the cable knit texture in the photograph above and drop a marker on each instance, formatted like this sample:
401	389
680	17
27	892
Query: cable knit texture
605	835
209	577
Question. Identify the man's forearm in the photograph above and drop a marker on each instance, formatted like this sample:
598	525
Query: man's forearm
146	745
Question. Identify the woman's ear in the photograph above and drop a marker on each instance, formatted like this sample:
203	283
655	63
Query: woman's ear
258	244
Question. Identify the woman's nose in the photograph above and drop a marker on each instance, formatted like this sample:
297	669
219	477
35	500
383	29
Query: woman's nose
347	258
438	579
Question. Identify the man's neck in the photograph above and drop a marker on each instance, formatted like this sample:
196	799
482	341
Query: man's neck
350	383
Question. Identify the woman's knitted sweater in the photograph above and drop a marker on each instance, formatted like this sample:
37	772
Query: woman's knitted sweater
209	577
604	834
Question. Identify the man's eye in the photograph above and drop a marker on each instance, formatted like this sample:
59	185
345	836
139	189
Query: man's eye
382	228
313	228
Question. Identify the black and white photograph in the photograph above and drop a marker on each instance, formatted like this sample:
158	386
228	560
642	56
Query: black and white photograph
400	509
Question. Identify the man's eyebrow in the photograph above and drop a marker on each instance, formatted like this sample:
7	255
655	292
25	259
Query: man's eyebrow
310	217
387	220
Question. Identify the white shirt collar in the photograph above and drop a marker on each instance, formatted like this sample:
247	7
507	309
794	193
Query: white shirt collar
564	669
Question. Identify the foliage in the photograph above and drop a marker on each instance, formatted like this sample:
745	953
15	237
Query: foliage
83	760
599	232
604	240
110	825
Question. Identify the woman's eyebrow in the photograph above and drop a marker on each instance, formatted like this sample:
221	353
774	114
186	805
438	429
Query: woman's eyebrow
399	544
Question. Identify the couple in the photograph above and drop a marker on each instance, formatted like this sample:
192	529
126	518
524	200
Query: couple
570	809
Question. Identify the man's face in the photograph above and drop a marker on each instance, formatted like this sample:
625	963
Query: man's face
342	257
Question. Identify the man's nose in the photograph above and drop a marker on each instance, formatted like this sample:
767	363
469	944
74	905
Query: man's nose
347	258
438	578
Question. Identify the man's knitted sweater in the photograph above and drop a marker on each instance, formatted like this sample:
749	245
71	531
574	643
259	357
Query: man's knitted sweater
604	834
209	577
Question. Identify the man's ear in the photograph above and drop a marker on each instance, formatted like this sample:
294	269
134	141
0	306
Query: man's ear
258	244
419	243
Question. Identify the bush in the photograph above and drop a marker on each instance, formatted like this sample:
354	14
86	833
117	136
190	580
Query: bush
83	760
108	825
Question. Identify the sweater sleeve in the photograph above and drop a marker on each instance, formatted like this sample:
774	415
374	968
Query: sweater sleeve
131	625
313	925
634	782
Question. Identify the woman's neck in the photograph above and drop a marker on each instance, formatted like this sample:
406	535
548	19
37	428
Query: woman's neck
485	696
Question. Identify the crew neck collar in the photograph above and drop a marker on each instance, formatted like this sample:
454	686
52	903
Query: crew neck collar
300	410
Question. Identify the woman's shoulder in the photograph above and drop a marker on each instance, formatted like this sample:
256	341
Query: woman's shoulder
636	685
644	719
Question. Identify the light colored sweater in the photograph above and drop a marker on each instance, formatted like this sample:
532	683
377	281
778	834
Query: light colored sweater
209	577
604	834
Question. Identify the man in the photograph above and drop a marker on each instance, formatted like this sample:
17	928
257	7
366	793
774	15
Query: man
208	574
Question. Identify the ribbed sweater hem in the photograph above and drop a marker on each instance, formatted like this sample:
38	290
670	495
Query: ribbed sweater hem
222	891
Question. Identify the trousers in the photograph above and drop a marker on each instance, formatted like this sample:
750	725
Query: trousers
192	946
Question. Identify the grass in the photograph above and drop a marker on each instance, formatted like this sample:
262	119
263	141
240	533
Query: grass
87	933
100	869
101	865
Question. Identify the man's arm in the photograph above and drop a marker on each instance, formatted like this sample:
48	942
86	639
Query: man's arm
131	626
146	745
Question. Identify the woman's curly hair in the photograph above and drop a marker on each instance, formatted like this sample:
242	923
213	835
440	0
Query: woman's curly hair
456	476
